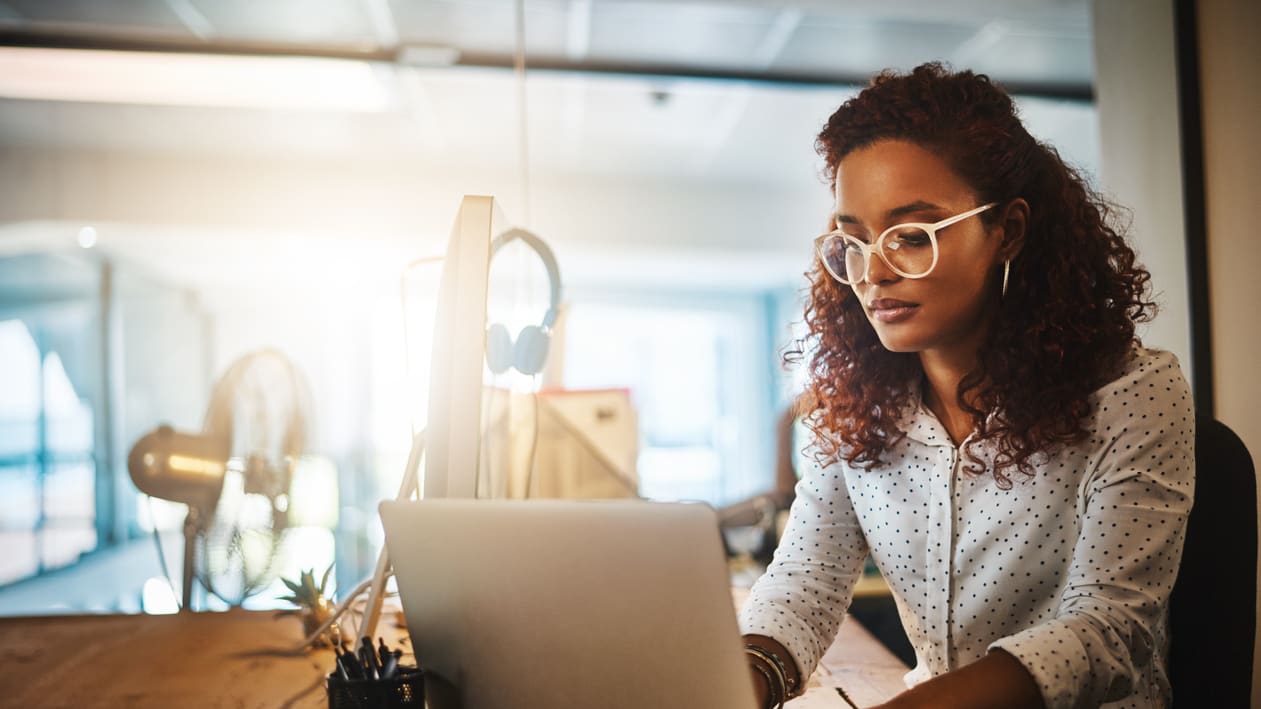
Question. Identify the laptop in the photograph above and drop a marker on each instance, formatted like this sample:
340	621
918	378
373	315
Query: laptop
565	603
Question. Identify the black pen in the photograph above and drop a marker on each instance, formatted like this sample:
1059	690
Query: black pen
341	666
347	663
368	658
382	651
390	666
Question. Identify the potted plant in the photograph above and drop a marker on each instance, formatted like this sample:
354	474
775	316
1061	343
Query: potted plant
313	607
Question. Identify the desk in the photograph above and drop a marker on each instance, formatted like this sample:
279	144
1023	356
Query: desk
241	659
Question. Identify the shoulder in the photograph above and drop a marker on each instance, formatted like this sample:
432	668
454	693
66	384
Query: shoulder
1149	396
1142	429
1147	377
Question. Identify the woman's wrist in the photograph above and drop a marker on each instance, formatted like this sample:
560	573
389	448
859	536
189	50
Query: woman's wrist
763	686
772	667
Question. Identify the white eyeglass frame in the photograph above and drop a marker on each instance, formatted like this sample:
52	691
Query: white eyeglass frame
877	246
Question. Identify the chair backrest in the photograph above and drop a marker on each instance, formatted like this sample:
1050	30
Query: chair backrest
1212	610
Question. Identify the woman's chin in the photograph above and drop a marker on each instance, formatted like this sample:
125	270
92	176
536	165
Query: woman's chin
898	341
899	347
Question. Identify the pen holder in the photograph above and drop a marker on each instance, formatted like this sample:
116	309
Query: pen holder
406	689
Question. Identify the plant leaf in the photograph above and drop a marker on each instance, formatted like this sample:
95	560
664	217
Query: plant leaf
308	582
324	580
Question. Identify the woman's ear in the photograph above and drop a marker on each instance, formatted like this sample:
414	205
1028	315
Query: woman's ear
1014	222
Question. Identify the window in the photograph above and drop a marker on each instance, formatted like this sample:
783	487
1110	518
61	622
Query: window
47	473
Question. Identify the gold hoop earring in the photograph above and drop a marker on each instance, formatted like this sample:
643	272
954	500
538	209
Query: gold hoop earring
1006	271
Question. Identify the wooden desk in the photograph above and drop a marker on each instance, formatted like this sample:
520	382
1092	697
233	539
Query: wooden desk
858	664
242	659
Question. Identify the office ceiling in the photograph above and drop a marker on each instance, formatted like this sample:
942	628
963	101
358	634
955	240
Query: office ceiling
1043	45
675	93
708	89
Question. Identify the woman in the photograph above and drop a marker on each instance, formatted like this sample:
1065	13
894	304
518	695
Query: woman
988	426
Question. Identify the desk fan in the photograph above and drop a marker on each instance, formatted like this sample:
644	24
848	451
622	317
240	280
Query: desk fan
234	475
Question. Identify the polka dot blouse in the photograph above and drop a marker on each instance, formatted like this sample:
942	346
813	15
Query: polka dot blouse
1069	571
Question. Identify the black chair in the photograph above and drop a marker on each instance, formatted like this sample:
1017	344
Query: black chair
1212	609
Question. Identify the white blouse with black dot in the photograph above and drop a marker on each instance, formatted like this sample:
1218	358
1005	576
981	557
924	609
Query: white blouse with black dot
1069	571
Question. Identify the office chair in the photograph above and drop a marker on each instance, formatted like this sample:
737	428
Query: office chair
1212	609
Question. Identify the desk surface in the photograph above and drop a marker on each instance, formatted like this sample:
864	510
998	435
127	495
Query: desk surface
243	659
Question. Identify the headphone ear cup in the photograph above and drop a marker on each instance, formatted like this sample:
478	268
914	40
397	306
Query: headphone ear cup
530	352
499	348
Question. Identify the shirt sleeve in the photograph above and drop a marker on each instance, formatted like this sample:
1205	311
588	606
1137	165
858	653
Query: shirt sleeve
1133	509
802	598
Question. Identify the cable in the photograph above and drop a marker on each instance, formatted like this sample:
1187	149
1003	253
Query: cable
522	112
338	611
407	487
487	424
534	444
157	540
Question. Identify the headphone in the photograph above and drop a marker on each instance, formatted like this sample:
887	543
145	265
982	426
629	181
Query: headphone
528	352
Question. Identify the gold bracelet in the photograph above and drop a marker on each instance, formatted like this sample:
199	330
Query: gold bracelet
779	688
790	685
770	687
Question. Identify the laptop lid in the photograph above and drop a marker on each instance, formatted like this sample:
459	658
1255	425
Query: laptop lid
563	603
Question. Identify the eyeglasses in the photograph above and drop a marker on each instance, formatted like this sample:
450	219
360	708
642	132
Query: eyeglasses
910	249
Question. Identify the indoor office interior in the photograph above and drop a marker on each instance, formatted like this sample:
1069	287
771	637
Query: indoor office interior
234	217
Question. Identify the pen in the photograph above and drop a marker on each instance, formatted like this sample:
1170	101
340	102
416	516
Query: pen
368	658
382	651
347	664
341	667
390	666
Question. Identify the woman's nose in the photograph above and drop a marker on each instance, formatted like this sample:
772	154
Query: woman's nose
878	271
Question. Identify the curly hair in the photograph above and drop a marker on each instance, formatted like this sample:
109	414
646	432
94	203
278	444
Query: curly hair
1064	328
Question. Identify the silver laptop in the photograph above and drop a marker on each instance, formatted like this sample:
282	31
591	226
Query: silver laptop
522	604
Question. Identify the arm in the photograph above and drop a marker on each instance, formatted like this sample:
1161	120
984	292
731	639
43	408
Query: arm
1108	630
761	686
800	600
996	681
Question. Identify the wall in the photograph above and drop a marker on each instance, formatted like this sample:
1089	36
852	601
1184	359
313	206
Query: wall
209	210
1230	58
1138	111
1136	92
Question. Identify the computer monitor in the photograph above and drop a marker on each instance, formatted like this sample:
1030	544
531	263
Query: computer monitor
457	363
453	427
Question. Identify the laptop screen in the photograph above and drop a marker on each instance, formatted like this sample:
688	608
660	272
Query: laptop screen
553	603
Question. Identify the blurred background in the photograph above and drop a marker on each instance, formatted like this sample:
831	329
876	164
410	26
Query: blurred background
187	182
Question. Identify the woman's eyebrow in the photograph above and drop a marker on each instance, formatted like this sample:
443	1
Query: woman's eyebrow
918	205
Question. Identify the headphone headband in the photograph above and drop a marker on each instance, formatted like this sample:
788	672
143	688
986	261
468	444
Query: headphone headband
549	262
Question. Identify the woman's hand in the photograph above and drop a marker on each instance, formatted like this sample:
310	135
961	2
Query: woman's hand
996	681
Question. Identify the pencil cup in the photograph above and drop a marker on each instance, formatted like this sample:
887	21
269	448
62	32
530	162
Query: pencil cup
406	689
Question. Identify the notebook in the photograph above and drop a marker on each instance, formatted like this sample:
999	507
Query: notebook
566	603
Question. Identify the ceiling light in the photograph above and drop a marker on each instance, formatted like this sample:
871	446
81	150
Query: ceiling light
177	79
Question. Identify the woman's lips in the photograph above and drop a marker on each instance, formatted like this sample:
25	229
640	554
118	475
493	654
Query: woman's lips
888	310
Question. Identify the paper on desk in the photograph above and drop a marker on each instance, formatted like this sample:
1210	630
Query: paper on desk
818	698
866	685
821	693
